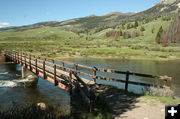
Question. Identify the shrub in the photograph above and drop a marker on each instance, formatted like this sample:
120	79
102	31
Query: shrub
166	92
135	24
142	28
126	35
135	34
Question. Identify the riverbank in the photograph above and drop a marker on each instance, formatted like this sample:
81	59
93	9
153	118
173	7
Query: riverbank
120	58
129	105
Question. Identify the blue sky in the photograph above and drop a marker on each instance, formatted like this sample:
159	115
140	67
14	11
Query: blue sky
25	12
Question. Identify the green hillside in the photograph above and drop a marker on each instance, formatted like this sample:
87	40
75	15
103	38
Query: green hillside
115	35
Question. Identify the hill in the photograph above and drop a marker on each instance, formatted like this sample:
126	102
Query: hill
116	34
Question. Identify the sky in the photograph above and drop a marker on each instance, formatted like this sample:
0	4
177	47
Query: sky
25	12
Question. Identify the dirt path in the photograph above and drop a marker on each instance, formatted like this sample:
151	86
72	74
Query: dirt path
127	106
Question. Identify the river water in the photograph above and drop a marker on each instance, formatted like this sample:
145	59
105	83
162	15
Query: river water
11	92
159	68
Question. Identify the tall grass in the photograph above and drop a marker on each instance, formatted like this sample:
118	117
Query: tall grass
31	111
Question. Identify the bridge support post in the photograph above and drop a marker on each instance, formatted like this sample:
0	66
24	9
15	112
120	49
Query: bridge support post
33	79
24	72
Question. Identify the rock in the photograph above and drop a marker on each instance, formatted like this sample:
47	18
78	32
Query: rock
32	83
41	106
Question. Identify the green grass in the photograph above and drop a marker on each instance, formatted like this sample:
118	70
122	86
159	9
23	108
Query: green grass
58	42
30	111
163	99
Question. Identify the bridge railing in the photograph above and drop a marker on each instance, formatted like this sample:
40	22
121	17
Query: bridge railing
52	62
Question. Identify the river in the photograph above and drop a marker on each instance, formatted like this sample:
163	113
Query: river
159	68
11	92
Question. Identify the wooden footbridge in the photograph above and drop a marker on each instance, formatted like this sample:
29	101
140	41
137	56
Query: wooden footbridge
56	72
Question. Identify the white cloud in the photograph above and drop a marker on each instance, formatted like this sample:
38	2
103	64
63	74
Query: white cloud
4	23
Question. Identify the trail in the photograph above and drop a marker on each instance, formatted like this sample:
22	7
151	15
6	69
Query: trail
126	106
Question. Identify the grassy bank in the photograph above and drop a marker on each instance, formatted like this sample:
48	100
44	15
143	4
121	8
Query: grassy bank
30	110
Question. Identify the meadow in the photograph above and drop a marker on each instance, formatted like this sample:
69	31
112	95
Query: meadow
62	43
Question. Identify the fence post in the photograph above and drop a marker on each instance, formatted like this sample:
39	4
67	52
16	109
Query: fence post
70	90
18	57
44	70
127	80
55	81
21	59
12	56
165	83
30	63
76	67
63	65
25	59
94	74
15	56
36	66
70	82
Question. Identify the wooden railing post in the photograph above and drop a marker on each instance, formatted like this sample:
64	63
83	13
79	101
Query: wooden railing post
30	63
21	59
12	54
44	71
15	56
94	74
36	66
70	82
165	83
63	65
25	60
127	80
55	81
76	67
18	56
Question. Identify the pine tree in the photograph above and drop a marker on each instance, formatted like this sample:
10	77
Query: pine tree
158	37
135	24
142	28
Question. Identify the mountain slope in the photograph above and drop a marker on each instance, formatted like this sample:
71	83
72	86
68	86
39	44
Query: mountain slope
163	7
110	19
